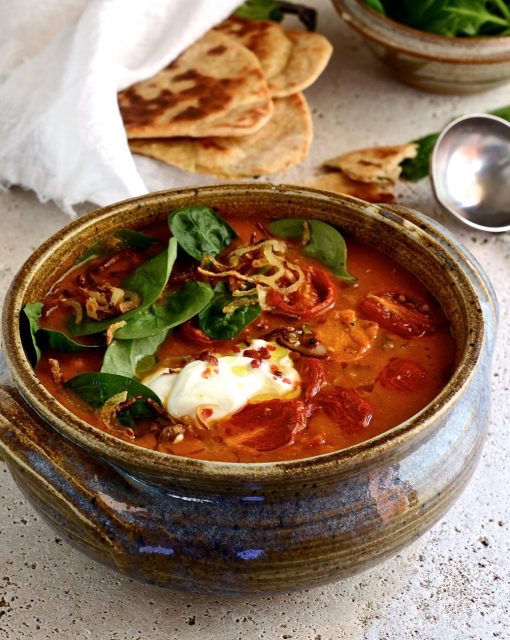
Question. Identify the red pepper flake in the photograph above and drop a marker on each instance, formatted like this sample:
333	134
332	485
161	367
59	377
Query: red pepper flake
271	347
236	349
206	373
207	412
255	364
273	368
286	380
259	354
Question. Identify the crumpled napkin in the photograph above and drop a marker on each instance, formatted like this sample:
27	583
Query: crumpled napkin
61	132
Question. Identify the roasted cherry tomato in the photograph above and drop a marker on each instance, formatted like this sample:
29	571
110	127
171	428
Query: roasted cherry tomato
195	335
398	312
313	375
345	406
402	375
265	426
315	297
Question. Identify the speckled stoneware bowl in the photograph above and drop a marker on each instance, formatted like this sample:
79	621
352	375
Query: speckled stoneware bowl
426	60
230	528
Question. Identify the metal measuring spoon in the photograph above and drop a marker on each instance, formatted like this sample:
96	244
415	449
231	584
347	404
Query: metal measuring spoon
470	169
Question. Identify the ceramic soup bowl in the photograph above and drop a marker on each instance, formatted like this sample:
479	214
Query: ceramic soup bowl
226	528
428	61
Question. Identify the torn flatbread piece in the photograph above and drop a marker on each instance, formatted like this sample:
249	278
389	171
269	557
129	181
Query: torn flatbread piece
375	164
309	56
215	88
283	142
383	191
265	38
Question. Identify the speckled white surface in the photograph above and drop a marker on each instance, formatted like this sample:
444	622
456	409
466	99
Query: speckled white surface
453	584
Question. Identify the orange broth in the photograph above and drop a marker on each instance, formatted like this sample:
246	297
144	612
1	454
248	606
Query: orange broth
391	403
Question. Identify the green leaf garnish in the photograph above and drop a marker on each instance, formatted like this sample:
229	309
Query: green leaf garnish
42	337
219	325
123	357
200	231
29	325
325	244
176	309
149	281
96	388
116	241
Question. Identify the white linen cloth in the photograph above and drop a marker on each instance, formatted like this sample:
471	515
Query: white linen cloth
62	63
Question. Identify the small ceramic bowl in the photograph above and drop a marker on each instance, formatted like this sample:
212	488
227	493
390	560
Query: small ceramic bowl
429	61
228	528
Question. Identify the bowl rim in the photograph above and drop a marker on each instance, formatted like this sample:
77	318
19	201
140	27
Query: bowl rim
449	49
154	464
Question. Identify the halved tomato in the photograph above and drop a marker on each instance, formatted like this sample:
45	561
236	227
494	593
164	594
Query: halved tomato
193	334
265	426
399	312
402	375
315	297
345	406
313	375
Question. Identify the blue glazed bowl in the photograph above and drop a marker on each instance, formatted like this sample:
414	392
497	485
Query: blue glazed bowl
224	528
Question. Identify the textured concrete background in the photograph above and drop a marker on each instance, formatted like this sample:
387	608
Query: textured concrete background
453	584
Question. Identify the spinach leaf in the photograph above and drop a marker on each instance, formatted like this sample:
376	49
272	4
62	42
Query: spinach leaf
29	325
376	5
42	337
200	232
275	10
60	342
416	168
96	388
219	325
451	18
260	10
116	241
123	357
149	280
179	307
325	244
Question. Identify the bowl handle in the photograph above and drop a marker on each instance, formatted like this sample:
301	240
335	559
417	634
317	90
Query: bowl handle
57	477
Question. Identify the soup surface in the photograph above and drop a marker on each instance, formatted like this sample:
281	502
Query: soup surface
239	340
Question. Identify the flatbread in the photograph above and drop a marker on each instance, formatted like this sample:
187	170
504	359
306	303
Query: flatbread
215	88
265	38
377	163
309	56
283	142
383	191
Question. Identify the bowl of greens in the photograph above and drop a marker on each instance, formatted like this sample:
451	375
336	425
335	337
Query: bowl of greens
456	47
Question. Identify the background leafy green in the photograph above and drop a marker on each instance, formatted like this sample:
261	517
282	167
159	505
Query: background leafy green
450	18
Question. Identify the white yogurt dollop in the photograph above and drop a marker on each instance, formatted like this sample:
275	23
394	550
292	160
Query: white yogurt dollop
226	387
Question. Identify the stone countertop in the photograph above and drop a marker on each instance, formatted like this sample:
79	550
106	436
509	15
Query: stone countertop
453	584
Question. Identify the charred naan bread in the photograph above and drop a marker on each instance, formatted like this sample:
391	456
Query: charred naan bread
283	142
375	164
383	191
215	88
308	58
265	38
